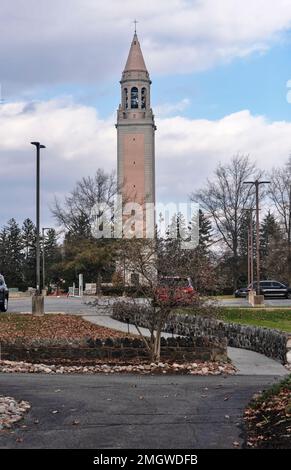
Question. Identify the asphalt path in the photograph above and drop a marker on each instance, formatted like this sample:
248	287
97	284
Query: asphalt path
130	411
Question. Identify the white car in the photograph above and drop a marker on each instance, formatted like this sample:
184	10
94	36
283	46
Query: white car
4	295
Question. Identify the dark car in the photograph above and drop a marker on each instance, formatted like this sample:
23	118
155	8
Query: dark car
268	288
242	292
4	295
176	289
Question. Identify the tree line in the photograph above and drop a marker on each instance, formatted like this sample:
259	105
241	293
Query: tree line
220	259
18	254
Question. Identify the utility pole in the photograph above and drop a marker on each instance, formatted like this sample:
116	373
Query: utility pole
257	183
38	300
250	247
251	250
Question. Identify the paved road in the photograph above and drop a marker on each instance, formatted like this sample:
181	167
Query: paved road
52	304
76	305
123	411
285	303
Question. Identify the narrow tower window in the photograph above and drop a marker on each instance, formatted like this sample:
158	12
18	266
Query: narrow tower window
125	98
134	98
143	98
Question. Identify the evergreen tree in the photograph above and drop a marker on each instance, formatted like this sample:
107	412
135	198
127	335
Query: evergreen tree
271	238
269	231
205	229
91	257
177	229
12	254
29	251
4	258
52	256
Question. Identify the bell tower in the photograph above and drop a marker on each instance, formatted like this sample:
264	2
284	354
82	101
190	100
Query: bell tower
136	136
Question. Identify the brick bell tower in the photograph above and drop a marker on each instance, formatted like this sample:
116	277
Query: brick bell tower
136	137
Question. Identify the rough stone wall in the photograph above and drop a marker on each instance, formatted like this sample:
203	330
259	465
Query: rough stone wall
172	349
272	343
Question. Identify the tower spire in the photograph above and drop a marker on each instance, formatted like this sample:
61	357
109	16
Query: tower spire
135	22
135	60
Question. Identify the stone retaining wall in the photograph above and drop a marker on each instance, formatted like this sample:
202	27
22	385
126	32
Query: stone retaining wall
272	343
119	349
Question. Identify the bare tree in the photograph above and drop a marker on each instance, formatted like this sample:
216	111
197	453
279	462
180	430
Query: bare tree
224	199
280	194
74	214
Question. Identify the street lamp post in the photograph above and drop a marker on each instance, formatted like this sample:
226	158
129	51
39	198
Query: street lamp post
43	257
38	303
257	183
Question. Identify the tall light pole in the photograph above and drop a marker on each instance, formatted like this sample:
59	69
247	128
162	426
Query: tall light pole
38	306
251	253
43	257
257	183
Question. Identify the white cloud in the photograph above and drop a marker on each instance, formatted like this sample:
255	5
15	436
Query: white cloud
88	40
71	131
79	141
167	109
189	150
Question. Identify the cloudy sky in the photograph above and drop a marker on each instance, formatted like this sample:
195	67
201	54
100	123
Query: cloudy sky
221	74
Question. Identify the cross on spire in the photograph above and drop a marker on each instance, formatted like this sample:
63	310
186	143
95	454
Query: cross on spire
135	23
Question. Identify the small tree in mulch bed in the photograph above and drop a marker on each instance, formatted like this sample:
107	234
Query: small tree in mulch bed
156	261
268	418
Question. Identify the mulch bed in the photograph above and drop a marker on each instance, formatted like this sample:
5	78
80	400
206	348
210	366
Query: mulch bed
26	326
268	419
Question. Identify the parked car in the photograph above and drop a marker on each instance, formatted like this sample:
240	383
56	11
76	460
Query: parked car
242	292
176	289
268	288
4	295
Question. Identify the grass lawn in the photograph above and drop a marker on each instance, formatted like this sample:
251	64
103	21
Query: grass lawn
19	326
222	297
278	318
